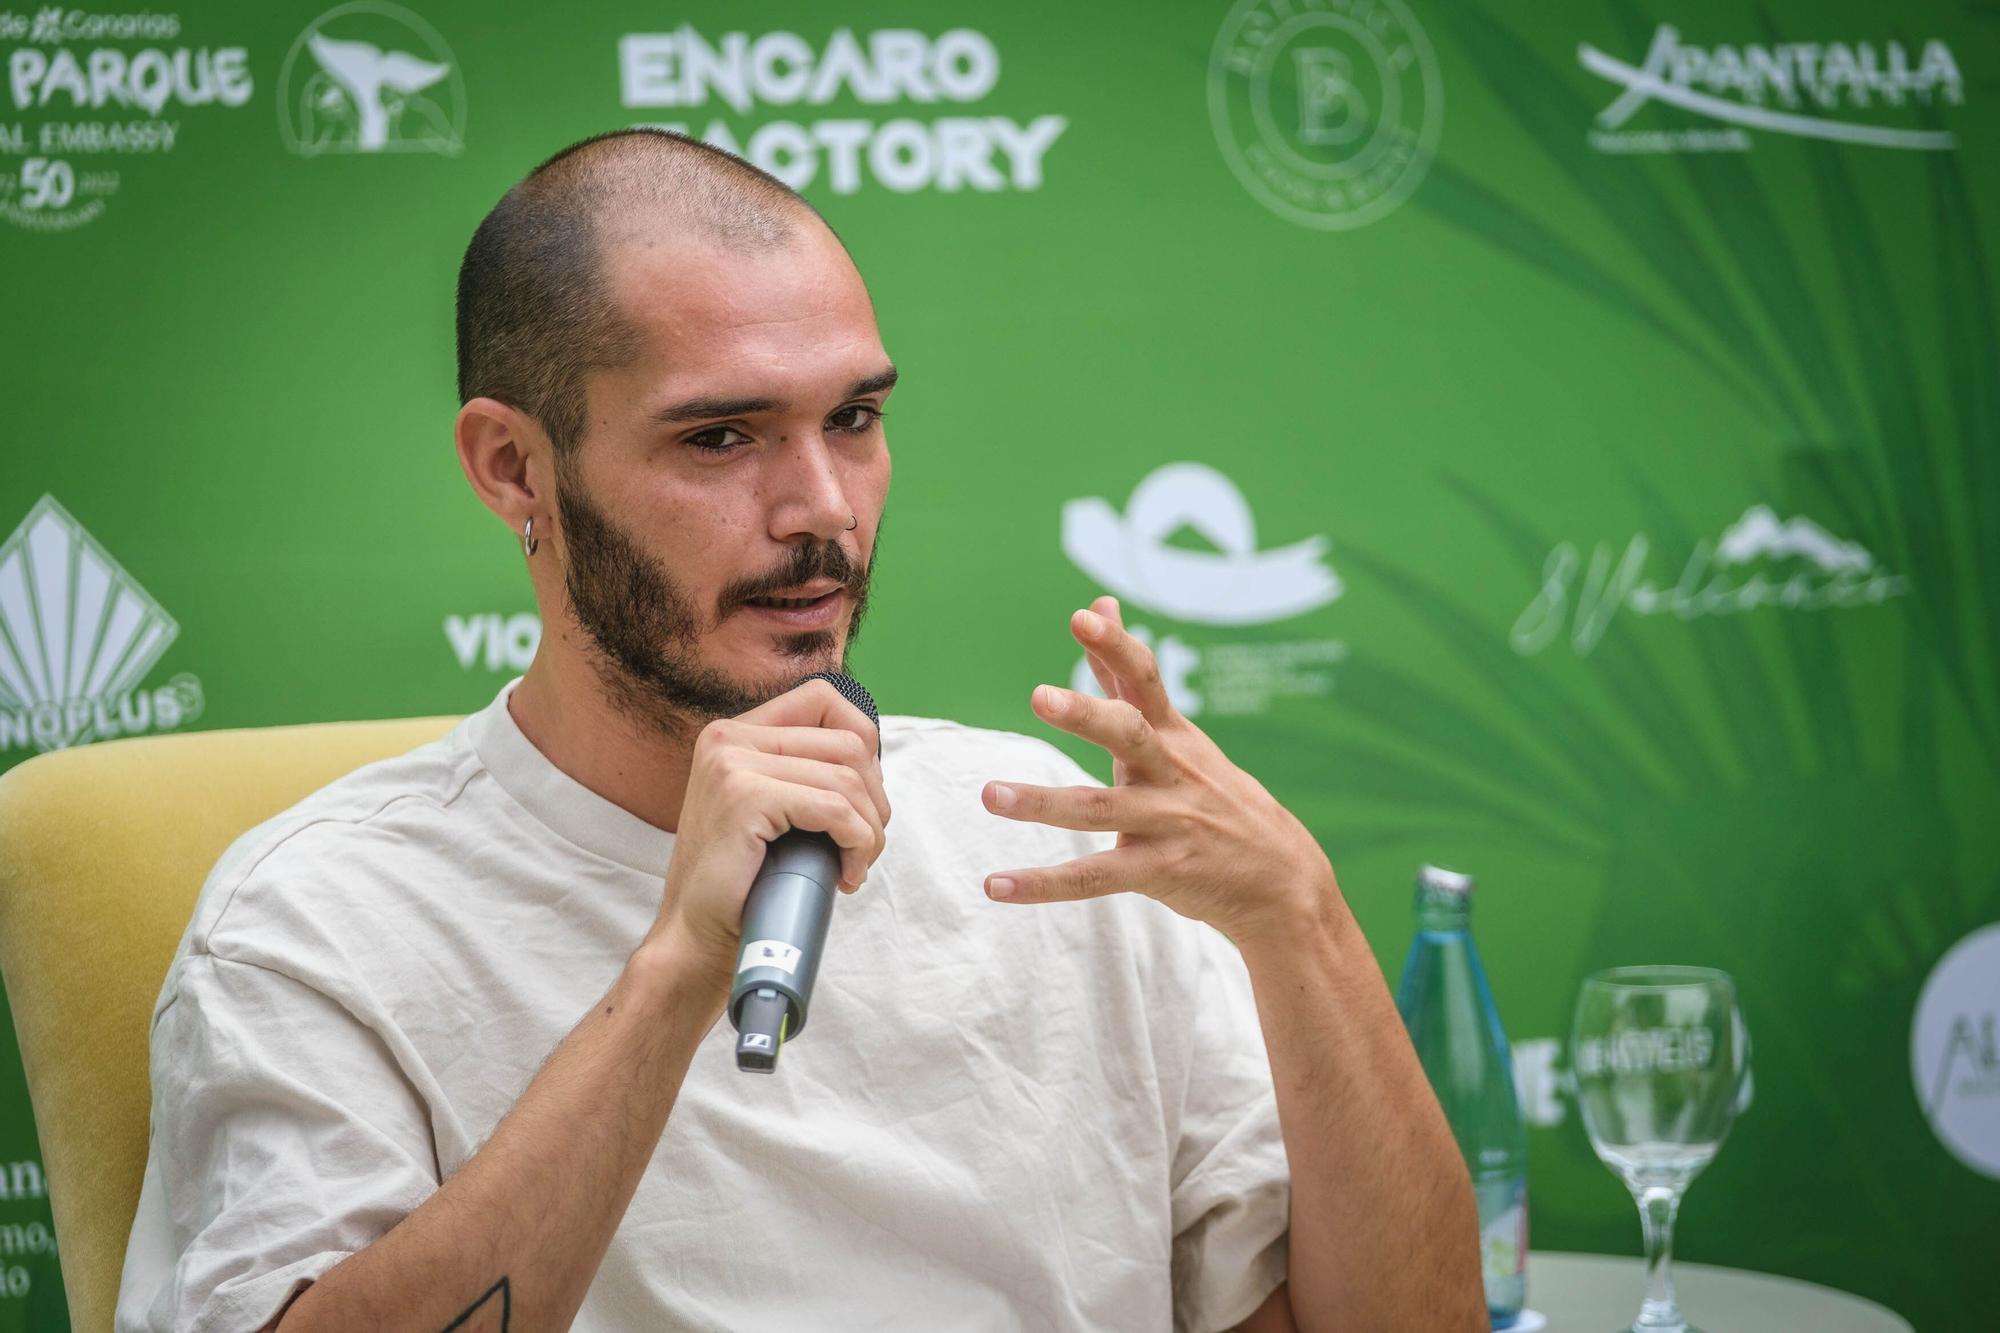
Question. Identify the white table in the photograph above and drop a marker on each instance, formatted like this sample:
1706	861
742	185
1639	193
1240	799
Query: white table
1599	1293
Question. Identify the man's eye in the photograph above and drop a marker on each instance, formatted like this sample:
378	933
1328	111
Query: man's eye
710	441
869	416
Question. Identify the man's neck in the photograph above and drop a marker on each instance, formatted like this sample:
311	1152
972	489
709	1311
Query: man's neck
560	706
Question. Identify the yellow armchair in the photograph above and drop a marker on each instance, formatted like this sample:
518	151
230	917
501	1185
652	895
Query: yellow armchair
102	851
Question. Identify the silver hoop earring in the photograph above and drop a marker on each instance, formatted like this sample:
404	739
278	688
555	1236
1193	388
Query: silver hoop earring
852	522
528	542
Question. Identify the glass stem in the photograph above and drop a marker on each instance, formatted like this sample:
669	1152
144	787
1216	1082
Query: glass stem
1657	1206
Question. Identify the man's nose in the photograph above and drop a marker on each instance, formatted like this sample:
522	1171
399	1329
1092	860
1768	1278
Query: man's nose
814	493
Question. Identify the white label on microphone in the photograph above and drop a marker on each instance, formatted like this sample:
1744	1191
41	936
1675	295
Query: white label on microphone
770	953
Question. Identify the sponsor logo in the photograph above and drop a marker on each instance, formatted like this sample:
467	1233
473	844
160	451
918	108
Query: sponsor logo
1538	1084
1759	561
739	74
1955	1050
1810	90
94	91
1185	547
1503	1241
1637	1052
1545	1088
1231	584
1329	114
492	641
370	77
77	635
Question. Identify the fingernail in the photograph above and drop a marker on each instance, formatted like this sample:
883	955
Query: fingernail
1003	796
1051	699
1093	624
1000	887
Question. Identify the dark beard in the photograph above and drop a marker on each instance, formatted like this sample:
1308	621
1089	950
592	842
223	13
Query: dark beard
646	632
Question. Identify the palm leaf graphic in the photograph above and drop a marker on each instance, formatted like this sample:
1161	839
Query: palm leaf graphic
1543	104
1474	208
1738	682
1597	756
1971	348
1767	263
1726	842
1898	423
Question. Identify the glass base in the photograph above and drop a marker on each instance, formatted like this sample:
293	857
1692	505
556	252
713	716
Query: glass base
1661	1316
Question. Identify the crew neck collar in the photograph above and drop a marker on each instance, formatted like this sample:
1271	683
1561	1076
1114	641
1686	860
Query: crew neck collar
558	800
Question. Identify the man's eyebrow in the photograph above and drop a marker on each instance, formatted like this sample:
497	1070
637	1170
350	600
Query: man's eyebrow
873	385
702	409
707	409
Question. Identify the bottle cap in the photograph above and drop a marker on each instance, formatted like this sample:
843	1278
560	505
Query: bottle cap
1439	880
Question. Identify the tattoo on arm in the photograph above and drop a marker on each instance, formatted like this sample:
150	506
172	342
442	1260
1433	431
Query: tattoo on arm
489	1314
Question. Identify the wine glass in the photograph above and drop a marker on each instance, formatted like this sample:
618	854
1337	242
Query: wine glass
1661	1057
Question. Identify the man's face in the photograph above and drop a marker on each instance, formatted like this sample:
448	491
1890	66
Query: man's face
723	466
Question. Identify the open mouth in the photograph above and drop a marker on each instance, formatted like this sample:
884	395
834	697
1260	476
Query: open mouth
800	613
795	603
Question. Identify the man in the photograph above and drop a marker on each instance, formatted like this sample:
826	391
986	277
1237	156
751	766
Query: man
441	1051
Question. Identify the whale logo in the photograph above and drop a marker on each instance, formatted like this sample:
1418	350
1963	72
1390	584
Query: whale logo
1235	584
363	74
370	77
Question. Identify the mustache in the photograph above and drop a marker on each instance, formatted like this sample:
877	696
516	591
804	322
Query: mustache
816	560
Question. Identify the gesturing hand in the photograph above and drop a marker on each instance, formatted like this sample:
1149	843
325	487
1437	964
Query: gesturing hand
1194	830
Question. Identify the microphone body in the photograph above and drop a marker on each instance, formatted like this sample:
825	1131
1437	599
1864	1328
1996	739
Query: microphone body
785	918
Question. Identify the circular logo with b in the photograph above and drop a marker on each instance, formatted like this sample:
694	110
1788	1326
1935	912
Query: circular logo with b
1328	113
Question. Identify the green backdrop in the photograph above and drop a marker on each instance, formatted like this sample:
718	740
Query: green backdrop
1556	440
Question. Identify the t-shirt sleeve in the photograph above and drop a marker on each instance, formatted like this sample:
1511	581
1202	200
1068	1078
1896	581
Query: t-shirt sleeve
1232	1192
285	1137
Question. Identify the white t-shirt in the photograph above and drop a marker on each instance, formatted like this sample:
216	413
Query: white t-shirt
1046	1116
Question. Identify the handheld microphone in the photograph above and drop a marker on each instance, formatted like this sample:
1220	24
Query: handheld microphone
784	925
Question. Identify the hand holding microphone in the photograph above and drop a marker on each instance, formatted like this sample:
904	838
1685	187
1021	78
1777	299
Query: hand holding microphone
785	917
806	761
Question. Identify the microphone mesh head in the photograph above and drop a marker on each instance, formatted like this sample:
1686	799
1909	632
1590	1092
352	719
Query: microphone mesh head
854	692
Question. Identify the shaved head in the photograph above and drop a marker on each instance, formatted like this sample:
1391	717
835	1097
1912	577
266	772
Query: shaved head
536	309
671	375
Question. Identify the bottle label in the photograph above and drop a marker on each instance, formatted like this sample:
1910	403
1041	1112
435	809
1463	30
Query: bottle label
1503	1239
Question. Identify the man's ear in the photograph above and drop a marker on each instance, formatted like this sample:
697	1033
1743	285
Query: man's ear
505	456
